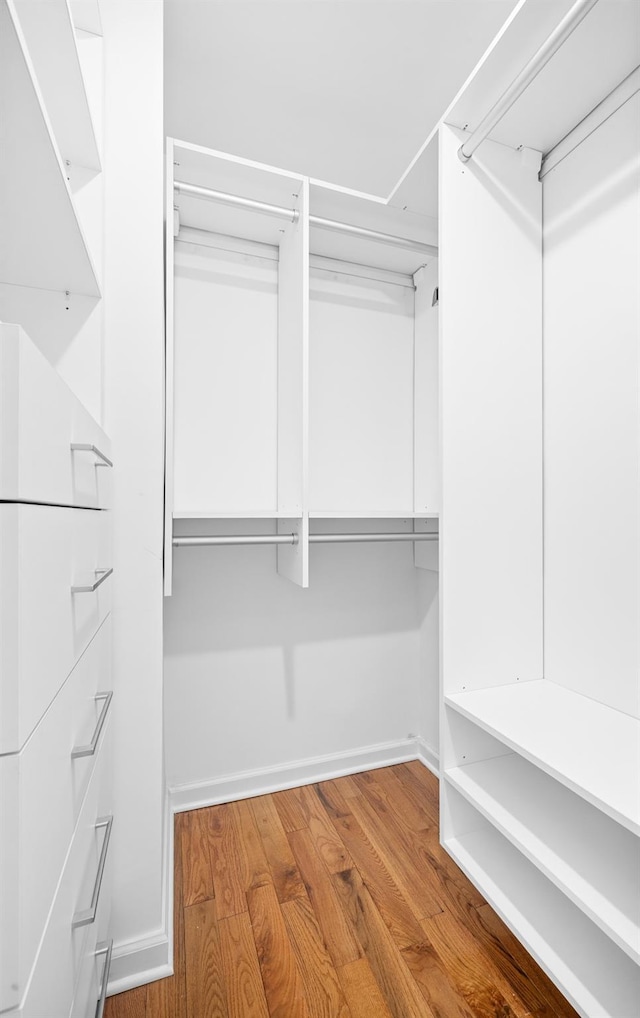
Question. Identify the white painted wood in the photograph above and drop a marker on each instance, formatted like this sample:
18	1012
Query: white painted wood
361	395
44	550
293	561
572	843
40	419
293	362
555	729
364	513
49	33
86	16
169	371
600	53
426	425
43	244
591	433
491	399
610	105
225	381
246	784
426	554
62	950
595	975
254	514
41	791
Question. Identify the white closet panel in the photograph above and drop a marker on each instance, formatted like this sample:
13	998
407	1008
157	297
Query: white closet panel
226	375
361	395
591	414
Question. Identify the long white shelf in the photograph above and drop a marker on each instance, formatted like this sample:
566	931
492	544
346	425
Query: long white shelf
367	514
43	244
597	977
594	862
50	36
590	748
247	514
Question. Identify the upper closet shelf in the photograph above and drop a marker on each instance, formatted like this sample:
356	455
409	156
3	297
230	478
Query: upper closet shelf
247	514
51	40
43	242
588	747
376	514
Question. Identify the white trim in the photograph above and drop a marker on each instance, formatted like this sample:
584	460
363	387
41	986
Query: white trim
428	757
246	784
434	132
609	105
137	962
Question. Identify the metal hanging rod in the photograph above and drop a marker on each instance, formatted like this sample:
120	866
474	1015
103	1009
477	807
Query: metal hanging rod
558	37
292	216
225	539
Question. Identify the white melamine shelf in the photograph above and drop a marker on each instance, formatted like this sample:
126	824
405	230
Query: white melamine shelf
249	514
590	748
376	514
567	839
597	977
51	39
43	242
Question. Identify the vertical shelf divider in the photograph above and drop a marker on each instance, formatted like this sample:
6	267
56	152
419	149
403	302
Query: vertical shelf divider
293	389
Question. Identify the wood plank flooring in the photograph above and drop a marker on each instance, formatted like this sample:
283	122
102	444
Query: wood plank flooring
335	901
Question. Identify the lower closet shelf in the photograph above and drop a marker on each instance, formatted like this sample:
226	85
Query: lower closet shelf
590	859
597	978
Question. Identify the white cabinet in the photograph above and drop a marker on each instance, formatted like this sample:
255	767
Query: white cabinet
302	359
55	522
540	716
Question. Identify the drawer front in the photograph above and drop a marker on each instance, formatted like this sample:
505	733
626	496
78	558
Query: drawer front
51	449
45	553
70	934
42	789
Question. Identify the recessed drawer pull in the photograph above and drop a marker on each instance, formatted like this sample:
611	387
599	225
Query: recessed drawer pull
88	915
89	588
90	747
83	447
105	948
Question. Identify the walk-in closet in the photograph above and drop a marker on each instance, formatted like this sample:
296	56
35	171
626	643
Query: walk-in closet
319	503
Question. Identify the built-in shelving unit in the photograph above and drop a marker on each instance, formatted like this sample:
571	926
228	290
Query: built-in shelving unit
583	744
595	976
567	839
36	203
302	369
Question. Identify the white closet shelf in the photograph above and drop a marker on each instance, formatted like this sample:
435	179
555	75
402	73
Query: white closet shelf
593	973
586	746
368	514
247	514
567	839
50	36
33	187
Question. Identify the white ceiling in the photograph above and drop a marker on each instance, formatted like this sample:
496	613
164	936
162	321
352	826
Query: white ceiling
342	90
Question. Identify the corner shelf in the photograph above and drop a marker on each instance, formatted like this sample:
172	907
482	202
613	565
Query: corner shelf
33	185
556	729
596	977
568	840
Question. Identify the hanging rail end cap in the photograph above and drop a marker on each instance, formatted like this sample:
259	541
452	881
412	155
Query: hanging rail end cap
462	156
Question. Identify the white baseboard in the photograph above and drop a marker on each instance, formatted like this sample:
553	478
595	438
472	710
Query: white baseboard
245	784
428	757
138	962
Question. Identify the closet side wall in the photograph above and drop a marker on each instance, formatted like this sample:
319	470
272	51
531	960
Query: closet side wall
591	424
134	416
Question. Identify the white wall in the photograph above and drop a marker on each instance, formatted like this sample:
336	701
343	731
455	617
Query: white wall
261	674
134	419
591	432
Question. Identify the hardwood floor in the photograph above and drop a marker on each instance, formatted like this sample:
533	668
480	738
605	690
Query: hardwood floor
335	901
